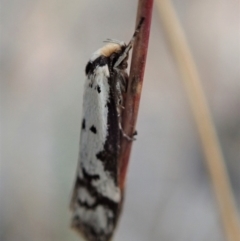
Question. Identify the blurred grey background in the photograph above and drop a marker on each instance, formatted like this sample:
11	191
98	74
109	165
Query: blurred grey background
44	48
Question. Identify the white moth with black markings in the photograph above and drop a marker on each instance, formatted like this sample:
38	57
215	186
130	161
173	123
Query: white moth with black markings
97	198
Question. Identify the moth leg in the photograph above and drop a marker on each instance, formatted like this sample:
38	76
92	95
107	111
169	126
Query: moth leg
122	81
119	113
129	138
120	87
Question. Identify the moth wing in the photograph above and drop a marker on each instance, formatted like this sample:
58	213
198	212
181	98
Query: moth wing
96	197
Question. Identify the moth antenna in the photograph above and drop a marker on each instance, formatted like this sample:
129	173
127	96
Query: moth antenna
135	34
115	41
130	44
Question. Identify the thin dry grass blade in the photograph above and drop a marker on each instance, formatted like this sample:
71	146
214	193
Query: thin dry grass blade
213	154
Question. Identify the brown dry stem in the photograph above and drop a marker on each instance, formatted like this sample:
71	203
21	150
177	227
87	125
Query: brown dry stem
133	95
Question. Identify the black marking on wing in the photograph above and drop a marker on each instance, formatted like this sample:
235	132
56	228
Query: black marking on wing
83	124
103	201
100	200
98	89
91	66
109	154
93	129
86	182
89	177
87	229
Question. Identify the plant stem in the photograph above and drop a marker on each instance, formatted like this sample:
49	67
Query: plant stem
133	95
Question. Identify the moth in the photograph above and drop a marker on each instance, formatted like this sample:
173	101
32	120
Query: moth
97	199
